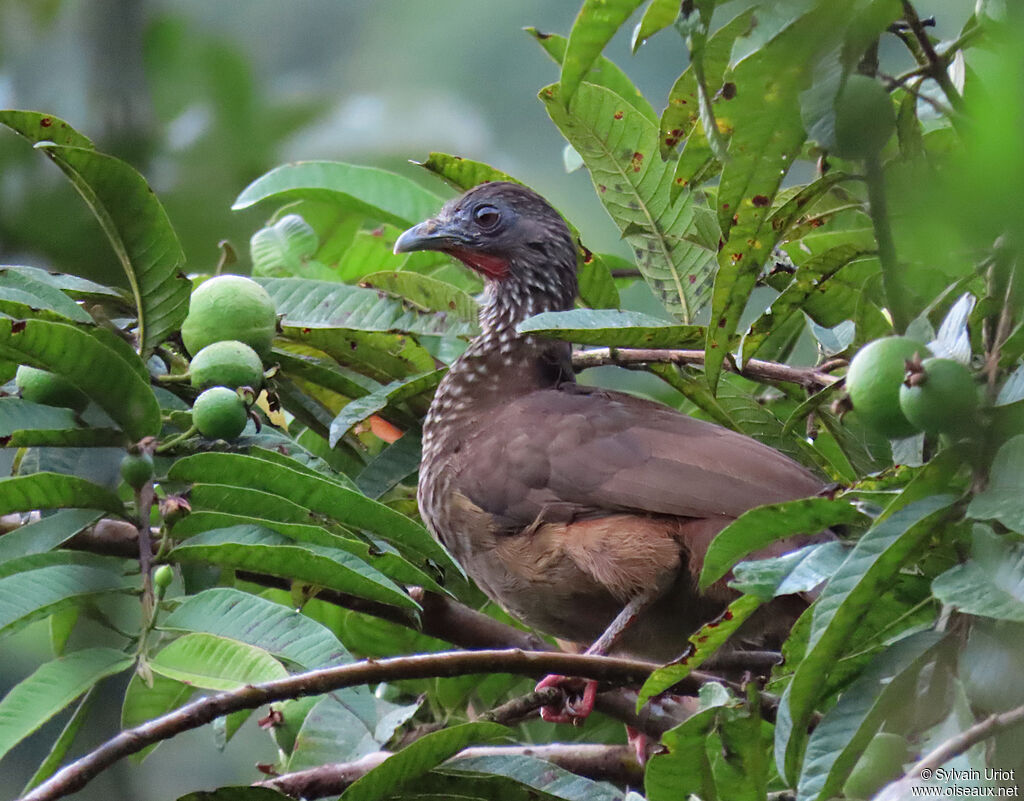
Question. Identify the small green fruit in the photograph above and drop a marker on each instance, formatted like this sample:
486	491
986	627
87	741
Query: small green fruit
226	364
881	763
219	413
162	578
230	307
137	470
942	398
864	118
42	386
874	379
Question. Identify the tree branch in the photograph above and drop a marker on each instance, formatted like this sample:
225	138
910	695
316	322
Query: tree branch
614	763
438	665
755	369
927	57
955	746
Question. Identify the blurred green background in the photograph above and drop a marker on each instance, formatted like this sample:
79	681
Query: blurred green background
205	97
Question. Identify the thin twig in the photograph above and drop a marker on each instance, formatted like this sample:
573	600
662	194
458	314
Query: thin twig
615	763
955	746
316	682
755	369
926	56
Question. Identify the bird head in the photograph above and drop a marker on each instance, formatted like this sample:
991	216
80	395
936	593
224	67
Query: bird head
507	233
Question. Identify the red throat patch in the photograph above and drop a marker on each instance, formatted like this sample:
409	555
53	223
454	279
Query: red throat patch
494	267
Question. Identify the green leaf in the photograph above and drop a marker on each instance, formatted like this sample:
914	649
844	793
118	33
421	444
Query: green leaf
427	294
261	550
92	366
345	725
316	494
596	285
323	373
623	329
604	72
811	277
144	702
232	500
463	173
681	116
1003	499
372	192
21	287
45	534
139	232
61	746
358	410
767	133
426	753
860	581
55	491
215	663
538	774
990	583
392	465
32	594
620	148
38	127
25	424
706	642
285	633
684	767
657	16
286	248
328	304
764	525
837	742
53	685
596	23
798	571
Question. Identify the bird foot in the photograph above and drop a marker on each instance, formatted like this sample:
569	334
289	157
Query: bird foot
569	712
641	744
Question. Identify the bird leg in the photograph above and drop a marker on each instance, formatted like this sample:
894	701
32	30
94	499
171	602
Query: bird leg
576	713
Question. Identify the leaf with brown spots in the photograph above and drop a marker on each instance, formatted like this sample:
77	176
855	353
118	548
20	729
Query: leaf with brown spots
669	239
682	113
593	28
767	136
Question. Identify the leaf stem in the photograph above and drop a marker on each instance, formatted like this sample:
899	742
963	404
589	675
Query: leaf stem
896	296
174	441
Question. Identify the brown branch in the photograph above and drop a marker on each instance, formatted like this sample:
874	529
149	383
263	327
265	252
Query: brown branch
614	763
755	369
316	682
927	57
955	746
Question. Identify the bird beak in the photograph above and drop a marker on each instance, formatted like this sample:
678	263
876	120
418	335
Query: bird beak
428	235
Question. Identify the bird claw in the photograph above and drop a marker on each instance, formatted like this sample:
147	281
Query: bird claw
568	712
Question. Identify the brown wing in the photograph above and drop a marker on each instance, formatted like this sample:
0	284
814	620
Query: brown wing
591	452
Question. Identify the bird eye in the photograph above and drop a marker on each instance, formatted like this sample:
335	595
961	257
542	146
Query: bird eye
486	216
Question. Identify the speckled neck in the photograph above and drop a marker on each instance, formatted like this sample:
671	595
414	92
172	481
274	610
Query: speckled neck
500	363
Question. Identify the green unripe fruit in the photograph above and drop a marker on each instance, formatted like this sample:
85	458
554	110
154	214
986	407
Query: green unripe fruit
942	399
162	577
874	379
219	413
42	386
864	118
137	470
226	364
230	307
881	763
